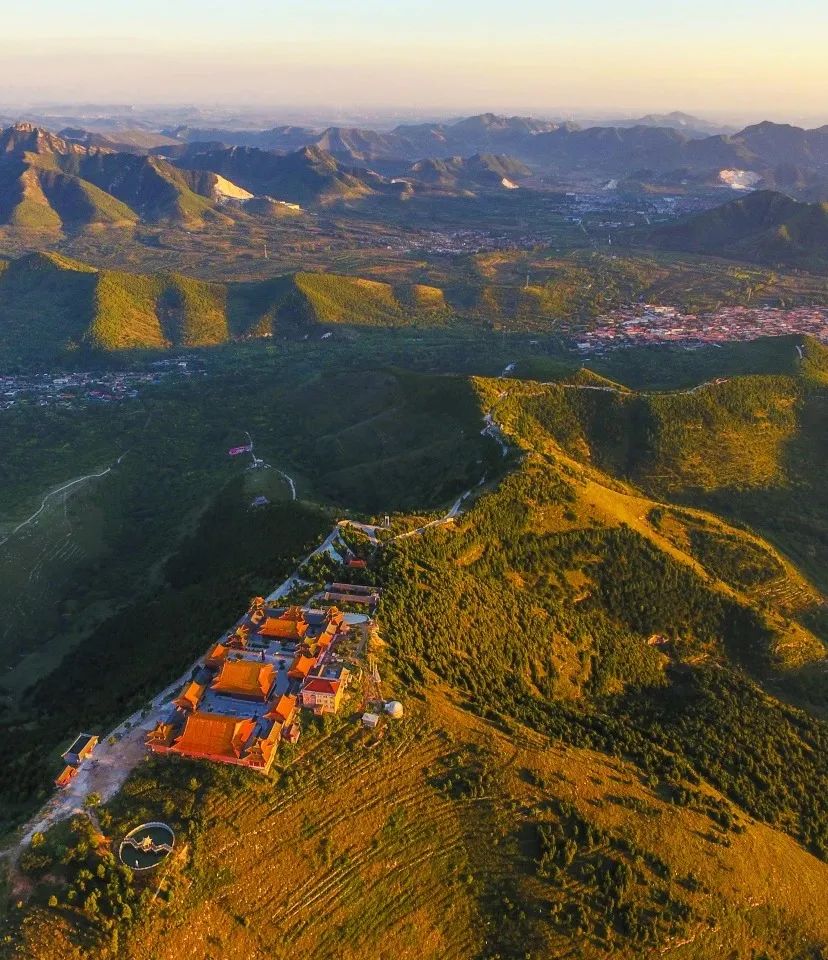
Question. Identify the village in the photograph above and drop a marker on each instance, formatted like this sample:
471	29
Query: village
641	324
69	390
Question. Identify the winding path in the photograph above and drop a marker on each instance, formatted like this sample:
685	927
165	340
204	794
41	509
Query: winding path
54	493
290	482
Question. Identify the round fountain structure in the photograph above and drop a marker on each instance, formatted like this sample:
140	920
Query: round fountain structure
147	845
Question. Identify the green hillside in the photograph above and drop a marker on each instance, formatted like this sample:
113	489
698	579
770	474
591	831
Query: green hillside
152	188
353	437
752	447
198	312
112	310
764	226
51	307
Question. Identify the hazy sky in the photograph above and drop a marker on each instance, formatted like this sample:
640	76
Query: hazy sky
763	57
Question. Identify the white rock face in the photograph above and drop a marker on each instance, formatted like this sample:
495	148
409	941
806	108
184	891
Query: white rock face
225	190
739	179
509	184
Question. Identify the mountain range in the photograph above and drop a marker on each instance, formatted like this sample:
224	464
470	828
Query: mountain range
49	183
785	156
312	174
663	147
600	753
52	306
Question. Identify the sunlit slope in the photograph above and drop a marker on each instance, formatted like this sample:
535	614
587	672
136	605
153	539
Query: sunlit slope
453	839
35	198
51	307
752	446
49	185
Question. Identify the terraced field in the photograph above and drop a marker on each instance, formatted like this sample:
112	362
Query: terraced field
345	857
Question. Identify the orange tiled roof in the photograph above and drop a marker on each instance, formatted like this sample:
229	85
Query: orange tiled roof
301	667
283	629
282	710
190	696
66	776
212	734
245	678
217	654
161	735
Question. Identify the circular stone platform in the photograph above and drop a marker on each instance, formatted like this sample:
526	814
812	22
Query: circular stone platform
146	846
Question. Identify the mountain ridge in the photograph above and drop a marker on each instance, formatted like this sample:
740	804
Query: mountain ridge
765	226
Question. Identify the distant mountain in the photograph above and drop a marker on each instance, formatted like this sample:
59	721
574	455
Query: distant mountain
22	140
49	183
458	175
123	141
314	175
307	176
694	127
484	133
669	147
277	138
661	144
361	145
764	226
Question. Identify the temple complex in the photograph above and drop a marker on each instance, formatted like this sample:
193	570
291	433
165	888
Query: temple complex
243	697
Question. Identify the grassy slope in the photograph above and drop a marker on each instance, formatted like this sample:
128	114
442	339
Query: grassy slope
38	196
392	865
750	447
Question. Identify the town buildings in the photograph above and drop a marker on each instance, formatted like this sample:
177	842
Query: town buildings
645	323
78	389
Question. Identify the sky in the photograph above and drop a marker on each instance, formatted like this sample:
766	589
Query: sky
745	58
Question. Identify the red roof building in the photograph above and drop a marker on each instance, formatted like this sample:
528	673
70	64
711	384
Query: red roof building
322	695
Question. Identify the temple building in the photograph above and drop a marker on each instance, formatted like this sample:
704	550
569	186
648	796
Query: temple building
248	679
80	749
